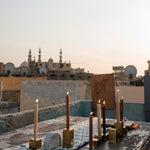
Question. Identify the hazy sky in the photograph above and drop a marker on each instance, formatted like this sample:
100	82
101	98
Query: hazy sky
93	34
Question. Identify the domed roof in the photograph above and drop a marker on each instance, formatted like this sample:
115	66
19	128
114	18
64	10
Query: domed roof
9	68
24	63
50	60
24	70
43	70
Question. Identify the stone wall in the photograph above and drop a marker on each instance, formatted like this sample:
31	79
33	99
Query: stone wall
11	96
6	108
52	92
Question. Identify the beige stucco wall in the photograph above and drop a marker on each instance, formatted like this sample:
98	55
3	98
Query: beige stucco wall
131	94
52	92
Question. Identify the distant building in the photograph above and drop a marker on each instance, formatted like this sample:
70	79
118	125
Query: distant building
49	69
127	76
1	67
147	72
40	67
118	72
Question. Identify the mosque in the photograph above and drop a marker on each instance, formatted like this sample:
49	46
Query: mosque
49	69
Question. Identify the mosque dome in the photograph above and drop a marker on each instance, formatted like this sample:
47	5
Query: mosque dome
24	64
50	60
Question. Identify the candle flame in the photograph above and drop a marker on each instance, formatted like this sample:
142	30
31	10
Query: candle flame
67	92
99	101
103	102
91	113
122	97
36	101
117	90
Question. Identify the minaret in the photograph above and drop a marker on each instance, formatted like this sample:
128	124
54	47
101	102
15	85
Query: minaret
29	57
60	57
39	55
34	59
148	64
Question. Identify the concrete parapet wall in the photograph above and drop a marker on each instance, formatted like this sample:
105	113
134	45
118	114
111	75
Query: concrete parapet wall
21	119
134	111
86	106
52	92
3	127
11	122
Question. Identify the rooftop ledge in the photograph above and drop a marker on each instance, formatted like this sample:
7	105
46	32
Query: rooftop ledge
81	108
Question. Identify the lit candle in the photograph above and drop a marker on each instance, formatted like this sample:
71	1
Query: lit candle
67	112
35	118
121	109
99	117
104	118
91	130
117	106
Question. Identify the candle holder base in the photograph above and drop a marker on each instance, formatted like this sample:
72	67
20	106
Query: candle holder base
119	127
99	137
105	137
124	130
94	144
113	135
68	136
35	144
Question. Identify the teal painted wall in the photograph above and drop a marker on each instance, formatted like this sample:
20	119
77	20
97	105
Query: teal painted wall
134	111
2	127
86	108
11	122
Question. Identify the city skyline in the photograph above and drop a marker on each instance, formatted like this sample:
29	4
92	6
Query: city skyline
94	35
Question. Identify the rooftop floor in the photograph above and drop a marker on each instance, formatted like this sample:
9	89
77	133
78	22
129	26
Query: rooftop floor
18	139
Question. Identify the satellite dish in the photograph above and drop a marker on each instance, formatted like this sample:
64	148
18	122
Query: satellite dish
9	68
43	70
24	70
130	72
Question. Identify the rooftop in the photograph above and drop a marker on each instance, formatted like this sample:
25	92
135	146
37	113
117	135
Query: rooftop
19	139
